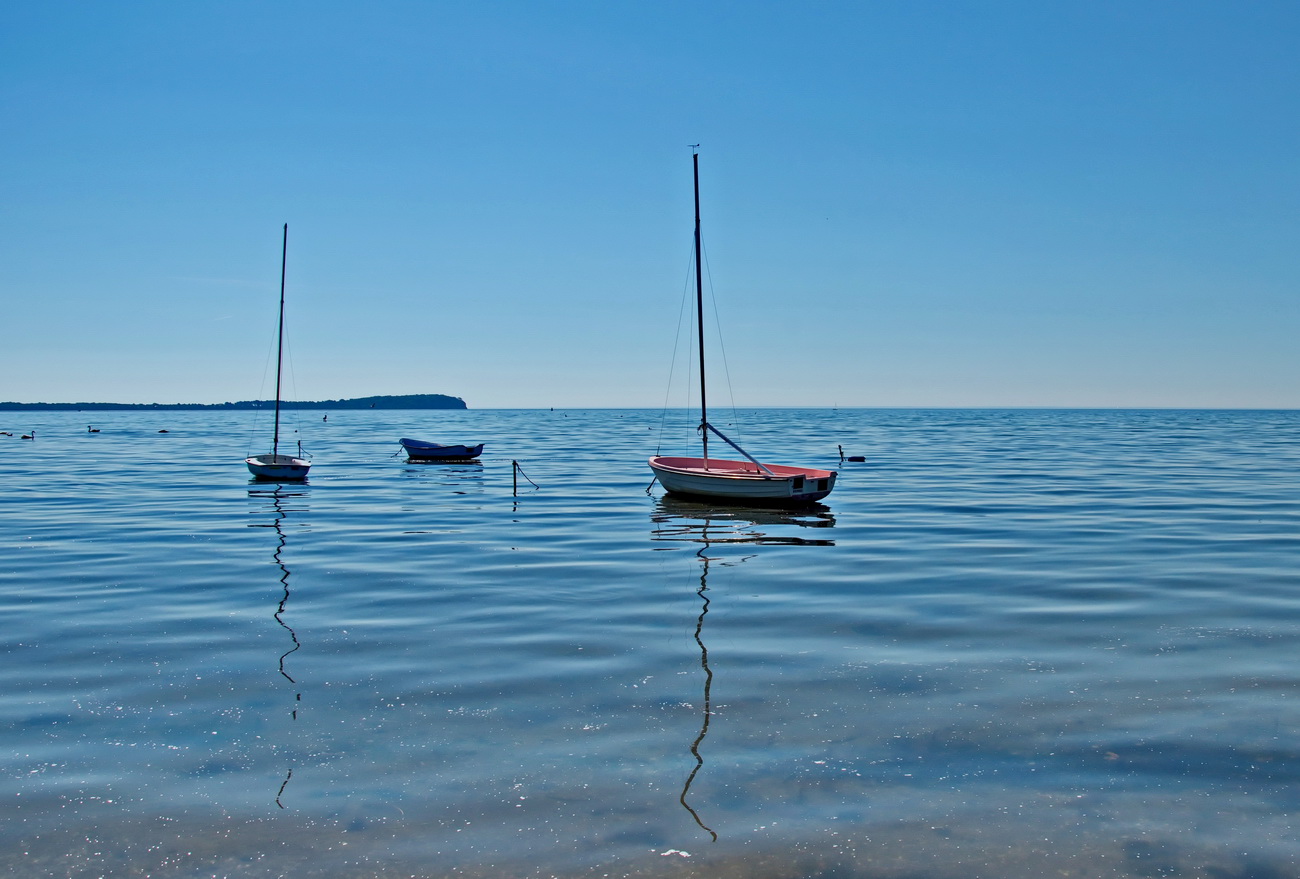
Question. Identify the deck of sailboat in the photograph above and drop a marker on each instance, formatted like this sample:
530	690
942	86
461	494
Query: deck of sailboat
738	469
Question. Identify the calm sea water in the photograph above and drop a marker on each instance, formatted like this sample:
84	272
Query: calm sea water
1010	644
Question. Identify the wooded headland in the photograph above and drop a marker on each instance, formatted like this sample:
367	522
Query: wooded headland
407	401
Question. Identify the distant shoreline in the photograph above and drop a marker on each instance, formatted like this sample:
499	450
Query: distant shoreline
408	401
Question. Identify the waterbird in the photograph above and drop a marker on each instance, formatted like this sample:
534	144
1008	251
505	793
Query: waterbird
31	435
854	458
92	429
162	431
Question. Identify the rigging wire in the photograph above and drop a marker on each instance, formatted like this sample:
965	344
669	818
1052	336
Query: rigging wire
717	329
687	314
683	309
255	429
293	382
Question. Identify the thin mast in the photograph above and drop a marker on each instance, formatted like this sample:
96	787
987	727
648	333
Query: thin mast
279	345
699	313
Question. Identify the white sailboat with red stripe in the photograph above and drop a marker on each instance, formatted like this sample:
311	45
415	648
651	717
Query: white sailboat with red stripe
745	480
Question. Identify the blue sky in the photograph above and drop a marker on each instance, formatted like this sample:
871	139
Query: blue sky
904	203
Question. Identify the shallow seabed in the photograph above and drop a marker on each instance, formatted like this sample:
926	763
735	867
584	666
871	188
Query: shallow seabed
1011	644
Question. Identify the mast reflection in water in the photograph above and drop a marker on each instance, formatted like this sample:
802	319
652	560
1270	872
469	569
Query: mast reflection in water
708	692
278	497
677	520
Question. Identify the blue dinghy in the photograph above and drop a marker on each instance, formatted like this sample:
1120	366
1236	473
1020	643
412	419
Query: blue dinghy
417	450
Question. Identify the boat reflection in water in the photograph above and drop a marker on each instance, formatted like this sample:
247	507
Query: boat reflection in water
677	520
279	497
702	522
451	478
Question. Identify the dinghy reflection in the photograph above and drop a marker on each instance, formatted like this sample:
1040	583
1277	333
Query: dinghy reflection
279	499
452	464
462	477
678	520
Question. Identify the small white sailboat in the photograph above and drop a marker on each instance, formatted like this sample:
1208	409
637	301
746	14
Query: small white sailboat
277	467
724	479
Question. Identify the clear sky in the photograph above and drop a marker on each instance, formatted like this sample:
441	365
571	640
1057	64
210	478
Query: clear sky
904	203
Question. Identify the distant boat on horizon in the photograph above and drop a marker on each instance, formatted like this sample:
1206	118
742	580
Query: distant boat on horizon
275	466
723	479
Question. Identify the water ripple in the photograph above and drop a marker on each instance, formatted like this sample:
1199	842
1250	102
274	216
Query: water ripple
1009	644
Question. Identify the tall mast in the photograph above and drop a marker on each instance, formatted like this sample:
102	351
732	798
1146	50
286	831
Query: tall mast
279	345
699	312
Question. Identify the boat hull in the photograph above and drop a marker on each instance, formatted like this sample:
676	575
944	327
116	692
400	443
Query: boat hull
285	468
417	450
720	479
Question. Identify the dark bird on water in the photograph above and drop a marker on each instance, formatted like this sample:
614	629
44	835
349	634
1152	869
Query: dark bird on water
92	429
31	435
855	458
